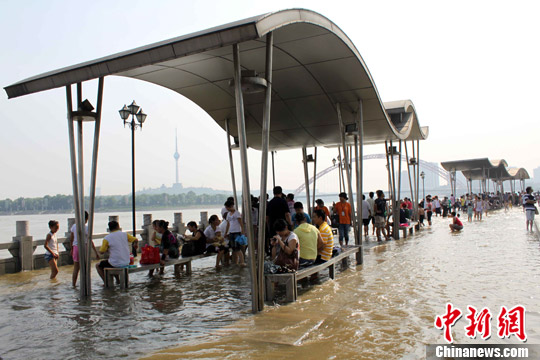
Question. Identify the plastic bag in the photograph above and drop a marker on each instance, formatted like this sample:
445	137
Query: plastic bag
241	240
149	255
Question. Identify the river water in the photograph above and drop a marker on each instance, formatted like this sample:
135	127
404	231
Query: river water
384	309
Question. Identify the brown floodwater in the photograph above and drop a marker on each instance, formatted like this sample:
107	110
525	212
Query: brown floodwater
384	309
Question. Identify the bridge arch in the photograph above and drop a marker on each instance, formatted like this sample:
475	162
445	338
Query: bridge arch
443	174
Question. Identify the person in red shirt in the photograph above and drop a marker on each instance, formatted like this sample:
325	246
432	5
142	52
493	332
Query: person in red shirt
409	203
456	224
343	209
320	206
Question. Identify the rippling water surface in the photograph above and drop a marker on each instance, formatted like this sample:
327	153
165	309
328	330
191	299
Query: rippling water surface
382	310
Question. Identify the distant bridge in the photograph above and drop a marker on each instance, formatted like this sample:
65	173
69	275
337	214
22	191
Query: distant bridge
443	174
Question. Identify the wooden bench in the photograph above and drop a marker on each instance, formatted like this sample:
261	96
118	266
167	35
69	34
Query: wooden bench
290	280
412	226
123	273
406	229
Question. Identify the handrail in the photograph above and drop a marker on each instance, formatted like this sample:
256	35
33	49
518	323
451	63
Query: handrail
21	253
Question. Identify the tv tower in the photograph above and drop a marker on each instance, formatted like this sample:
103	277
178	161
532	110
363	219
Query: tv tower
176	154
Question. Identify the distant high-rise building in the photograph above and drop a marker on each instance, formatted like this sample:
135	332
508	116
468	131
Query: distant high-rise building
431	179
536	174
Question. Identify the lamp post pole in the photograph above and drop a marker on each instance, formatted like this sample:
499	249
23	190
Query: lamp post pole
136	112
423	175
339	178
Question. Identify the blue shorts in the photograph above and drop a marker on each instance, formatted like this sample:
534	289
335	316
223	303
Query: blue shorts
48	257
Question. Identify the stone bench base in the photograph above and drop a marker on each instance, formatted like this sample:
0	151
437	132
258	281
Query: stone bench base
123	273
290	280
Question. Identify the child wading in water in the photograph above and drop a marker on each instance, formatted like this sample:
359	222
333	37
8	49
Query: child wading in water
456	224
421	214
51	245
74	242
234	229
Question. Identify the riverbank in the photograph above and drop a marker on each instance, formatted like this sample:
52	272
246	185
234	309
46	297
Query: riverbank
145	209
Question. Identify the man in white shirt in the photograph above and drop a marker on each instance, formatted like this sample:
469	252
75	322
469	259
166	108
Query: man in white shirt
118	245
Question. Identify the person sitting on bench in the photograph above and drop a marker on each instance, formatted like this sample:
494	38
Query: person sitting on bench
309	238
285	247
169	246
118	244
197	239
324	253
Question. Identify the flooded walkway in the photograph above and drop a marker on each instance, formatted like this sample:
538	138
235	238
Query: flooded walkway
384	309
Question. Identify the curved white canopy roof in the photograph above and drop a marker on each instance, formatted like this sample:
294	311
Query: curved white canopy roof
477	169
315	66
518	174
472	164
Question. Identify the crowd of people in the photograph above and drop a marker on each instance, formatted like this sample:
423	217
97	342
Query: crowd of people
293	238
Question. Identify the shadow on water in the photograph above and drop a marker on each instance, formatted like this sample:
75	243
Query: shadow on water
383	309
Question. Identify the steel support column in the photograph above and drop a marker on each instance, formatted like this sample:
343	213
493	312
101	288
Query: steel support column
359	179
359	194
73	160
85	287
93	174
265	142
246	193
347	169
413	199
231	162
273	171
415	180
81	232
388	169
399	172
77	176
339	169
395	210
306	178
418	170
342	186
314	180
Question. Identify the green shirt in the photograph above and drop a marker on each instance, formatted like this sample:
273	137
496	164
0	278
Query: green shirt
307	238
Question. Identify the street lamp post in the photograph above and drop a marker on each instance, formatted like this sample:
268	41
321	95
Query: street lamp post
340	175
136	112
423	175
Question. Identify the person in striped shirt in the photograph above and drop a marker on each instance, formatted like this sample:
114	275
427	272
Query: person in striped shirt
324	252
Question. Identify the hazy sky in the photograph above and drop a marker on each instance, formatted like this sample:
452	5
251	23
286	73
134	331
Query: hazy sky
470	67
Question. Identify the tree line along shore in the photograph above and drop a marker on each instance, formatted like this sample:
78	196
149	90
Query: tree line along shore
64	203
